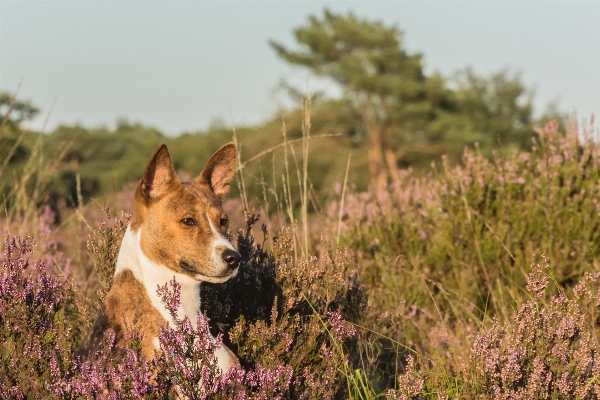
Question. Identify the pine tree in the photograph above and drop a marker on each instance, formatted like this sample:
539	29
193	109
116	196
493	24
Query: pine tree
386	85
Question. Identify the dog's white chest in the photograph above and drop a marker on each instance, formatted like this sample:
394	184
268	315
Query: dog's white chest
153	275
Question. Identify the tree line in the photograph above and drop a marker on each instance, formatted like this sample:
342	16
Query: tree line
401	108
391	115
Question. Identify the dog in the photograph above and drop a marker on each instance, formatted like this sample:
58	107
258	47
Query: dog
179	231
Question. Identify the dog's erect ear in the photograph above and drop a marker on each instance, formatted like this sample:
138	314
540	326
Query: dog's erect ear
219	170
159	176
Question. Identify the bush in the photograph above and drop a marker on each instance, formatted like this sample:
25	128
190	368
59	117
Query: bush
36	339
41	326
292	343
547	351
441	256
291	316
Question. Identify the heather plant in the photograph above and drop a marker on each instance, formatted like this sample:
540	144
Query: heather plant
481	205
42	321
113	372
409	385
465	231
291	317
38	319
442	254
41	326
293	343
104	244
547	350
431	299
187	361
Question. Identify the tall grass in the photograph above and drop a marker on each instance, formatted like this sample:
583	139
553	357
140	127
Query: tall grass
21	202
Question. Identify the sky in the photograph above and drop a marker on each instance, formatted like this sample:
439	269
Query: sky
184	65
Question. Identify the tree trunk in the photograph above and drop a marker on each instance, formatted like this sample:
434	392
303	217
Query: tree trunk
390	158
376	168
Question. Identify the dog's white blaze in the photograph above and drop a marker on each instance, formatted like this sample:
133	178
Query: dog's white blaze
153	275
218	242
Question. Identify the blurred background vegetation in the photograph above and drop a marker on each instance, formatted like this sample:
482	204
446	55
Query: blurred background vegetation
390	116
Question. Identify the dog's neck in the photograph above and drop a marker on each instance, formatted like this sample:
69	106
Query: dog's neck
153	275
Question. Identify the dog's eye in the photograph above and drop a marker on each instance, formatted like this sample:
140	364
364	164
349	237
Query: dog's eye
224	222
188	221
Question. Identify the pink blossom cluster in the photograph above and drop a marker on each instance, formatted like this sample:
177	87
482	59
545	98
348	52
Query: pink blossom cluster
36	360
341	329
189	362
546	351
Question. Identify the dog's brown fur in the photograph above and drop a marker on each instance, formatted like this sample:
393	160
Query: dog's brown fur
182	228
134	309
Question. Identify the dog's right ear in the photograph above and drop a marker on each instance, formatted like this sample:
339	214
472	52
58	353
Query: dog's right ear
159	176
219	170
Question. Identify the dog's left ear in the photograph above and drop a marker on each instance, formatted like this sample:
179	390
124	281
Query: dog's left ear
219	170
159	176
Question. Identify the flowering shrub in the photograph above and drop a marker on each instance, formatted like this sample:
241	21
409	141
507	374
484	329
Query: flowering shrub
40	327
293	347
35	340
432	299
440	255
187	361
409	385
289	317
546	351
481	219
113	372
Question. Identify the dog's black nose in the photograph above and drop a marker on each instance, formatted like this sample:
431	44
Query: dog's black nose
231	258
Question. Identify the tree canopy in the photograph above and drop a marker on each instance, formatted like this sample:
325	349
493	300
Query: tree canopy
15	111
402	109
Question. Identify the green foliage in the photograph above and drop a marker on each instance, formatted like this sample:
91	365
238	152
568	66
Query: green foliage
98	162
475	216
500	110
443	255
386	86
410	118
105	161
27	182
366	58
434	299
14	111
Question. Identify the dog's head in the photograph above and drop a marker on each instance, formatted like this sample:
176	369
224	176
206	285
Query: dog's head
183	225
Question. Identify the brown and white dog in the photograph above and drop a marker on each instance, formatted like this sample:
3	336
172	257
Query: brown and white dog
179	230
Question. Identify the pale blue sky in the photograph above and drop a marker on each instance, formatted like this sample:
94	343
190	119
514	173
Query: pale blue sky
178	65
